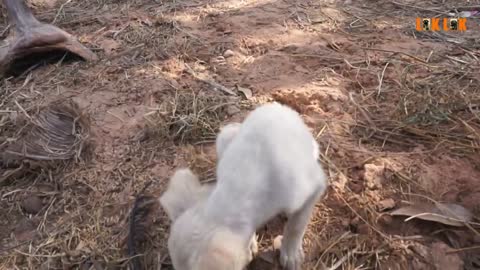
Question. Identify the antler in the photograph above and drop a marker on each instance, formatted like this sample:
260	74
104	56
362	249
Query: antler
31	36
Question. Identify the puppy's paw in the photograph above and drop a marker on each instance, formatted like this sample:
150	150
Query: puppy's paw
253	247
291	259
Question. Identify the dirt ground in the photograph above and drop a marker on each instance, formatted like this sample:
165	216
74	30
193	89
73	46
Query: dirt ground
397	113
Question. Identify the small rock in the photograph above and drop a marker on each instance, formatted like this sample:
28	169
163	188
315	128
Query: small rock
26	229
374	176
385	220
32	204
232	109
228	53
364	229
386	204
247	93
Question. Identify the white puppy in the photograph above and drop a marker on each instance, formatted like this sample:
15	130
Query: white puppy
184	189
266	168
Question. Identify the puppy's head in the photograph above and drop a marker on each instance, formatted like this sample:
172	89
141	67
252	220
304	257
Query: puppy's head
194	246
195	243
225	137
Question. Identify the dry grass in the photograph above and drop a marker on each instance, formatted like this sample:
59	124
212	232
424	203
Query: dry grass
432	105
190	118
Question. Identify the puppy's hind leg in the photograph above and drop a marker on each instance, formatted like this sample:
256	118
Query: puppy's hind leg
291	251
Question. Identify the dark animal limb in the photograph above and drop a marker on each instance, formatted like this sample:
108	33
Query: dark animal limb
31	37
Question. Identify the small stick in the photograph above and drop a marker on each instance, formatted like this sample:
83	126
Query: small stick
343	259
463	249
468	8
23	110
5	30
391	51
381	80
363	112
59	11
457	60
209	81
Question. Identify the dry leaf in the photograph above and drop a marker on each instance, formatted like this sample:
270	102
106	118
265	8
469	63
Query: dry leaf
247	93
448	214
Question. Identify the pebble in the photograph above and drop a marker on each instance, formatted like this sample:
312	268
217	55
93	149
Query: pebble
228	53
232	109
32	204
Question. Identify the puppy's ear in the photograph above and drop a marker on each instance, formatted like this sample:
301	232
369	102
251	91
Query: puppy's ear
182	192
225	137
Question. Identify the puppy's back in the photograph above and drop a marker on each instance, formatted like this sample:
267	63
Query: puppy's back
274	117
269	167
278	134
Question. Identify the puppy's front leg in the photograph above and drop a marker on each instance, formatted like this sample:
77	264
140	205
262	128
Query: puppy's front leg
291	251
253	247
